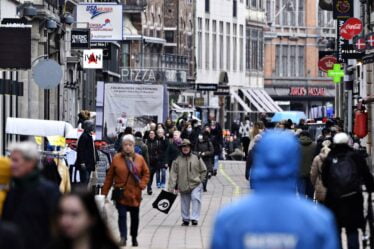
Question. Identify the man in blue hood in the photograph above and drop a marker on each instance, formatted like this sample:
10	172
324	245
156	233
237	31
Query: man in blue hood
273	217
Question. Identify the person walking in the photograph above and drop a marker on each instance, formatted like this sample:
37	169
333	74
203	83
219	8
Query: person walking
205	150
343	173
154	150
188	172
316	172
86	152
173	150
308	149
161	171
140	147
215	135
79	225
270	216
244	134
130	175
31	201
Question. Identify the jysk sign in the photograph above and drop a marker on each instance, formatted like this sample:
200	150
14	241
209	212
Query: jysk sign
80	38
104	19
343	9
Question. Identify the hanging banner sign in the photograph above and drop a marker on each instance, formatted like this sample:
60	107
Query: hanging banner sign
341	42
104	20
93	59
351	28
80	38
342	9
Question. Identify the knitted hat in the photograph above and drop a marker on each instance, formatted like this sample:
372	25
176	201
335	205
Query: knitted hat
341	138
128	137
5	173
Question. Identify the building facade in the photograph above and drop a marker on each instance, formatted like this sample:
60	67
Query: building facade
297	31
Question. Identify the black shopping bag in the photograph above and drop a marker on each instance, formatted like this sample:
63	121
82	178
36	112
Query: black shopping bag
164	201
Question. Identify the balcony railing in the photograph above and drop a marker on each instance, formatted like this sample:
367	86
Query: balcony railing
134	5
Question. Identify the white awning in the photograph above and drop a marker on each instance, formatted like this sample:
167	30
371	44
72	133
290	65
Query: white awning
37	127
240	101
154	40
260	100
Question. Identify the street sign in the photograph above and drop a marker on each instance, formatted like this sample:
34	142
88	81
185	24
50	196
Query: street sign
342	9
206	87
93	58
47	74
222	91
80	38
351	28
336	74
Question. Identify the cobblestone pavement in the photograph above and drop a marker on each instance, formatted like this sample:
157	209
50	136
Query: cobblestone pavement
160	231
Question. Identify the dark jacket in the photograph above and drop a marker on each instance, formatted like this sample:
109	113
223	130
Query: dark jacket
144	149
86	152
9	236
154	152
171	154
30	205
308	149
348	210
205	150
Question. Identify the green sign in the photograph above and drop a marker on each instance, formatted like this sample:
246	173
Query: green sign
336	73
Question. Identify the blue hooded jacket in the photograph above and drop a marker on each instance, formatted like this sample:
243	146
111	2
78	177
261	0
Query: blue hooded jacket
273	217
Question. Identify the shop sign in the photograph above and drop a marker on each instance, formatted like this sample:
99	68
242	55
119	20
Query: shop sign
222	91
311	91
343	9
341	42
363	43
80	38
105	46
199	102
93	59
104	20
351	28
349	52
327	62
207	87
152	75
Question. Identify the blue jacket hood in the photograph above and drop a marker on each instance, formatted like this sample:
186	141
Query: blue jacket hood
276	162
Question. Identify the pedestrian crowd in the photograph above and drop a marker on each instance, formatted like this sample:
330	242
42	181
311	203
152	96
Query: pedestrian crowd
316	180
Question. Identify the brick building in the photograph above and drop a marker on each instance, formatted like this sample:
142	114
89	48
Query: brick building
297	31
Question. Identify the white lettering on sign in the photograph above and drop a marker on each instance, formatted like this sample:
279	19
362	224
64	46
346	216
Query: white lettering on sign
270	241
311	91
153	75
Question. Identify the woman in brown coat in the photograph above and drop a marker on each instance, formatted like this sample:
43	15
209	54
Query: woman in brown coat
129	171
316	172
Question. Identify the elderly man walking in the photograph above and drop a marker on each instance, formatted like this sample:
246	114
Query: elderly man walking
188	172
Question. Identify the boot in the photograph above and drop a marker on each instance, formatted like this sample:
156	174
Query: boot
135	242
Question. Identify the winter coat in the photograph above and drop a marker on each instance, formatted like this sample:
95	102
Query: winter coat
172	152
9	236
120	176
30	204
86	152
154	151
205	150
348	210
144	149
308	149
273	216
188	172
316	172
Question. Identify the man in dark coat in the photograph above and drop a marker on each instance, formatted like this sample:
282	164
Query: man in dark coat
348	205
86	152
204	149
31	200
308	148
155	147
173	150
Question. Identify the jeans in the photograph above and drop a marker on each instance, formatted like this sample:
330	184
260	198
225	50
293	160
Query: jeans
161	176
305	187
191	199
122	220
215	165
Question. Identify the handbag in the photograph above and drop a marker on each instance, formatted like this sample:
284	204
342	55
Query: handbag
117	192
164	201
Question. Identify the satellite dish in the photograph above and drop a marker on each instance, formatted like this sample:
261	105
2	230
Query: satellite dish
47	74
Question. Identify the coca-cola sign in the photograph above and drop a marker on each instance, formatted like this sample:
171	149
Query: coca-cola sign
351	28
327	63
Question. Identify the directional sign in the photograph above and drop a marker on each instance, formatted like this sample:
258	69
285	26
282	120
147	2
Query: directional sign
336	74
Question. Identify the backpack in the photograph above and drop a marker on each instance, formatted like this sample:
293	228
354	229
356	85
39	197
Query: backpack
344	176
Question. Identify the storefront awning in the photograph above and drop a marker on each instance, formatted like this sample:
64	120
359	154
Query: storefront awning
261	100
240	101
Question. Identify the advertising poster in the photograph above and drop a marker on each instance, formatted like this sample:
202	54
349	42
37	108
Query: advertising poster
93	59
131	105
104	20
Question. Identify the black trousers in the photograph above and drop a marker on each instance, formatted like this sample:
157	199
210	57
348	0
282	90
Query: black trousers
246	141
122	220
152	176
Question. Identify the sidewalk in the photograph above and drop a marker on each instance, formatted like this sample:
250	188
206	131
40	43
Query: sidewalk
160	231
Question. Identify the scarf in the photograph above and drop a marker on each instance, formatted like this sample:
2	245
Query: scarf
129	159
